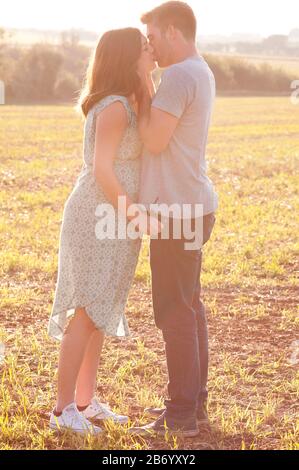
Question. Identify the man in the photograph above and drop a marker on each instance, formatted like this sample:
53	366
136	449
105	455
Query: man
174	129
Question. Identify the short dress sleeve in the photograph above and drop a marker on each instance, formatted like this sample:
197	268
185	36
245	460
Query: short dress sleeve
101	105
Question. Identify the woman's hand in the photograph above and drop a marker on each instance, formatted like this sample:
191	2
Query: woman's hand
147	84
147	224
151	86
154	225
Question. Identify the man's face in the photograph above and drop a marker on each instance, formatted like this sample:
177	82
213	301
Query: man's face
159	43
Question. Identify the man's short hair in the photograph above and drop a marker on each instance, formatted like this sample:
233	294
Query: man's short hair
178	14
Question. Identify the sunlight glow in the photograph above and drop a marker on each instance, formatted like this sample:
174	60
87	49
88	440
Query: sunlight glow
214	16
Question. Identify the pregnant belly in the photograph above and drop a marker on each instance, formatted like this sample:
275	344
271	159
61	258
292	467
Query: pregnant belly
129	175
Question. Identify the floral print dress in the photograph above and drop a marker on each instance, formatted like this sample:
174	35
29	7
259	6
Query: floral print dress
96	274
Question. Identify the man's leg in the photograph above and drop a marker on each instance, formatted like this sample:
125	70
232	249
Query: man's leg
203	342
162	283
174	279
202	327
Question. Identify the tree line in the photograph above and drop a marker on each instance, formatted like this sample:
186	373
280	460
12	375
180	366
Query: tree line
275	45
46	73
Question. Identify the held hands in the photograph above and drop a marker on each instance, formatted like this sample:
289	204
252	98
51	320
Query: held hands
151	226
146	224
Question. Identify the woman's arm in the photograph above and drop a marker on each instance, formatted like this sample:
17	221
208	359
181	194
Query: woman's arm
110	127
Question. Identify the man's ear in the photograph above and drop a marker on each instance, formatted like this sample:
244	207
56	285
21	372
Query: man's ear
171	32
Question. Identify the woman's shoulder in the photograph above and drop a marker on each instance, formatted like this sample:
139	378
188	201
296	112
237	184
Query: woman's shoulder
109	100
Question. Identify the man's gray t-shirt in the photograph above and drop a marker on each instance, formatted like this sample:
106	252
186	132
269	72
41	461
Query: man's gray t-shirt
179	174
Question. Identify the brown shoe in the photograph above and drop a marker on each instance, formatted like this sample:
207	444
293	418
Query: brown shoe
163	425
201	416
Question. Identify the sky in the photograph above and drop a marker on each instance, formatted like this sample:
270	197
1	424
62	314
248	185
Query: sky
224	17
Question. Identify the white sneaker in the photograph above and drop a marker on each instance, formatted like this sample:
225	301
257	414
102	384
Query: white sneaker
102	411
71	419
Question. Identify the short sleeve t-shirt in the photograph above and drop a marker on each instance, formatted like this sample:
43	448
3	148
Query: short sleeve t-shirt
179	174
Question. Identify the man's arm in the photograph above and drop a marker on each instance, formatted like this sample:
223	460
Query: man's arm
156	127
158	118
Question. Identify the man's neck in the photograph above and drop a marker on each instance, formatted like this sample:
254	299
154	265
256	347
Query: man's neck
185	53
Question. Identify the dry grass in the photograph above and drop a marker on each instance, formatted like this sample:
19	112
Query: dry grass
249	279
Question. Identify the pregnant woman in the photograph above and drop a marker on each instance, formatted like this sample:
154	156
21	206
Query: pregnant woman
95	274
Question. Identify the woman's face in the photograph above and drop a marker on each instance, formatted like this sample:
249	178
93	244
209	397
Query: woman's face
146	61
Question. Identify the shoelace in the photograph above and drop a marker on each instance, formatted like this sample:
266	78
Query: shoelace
79	420
102	408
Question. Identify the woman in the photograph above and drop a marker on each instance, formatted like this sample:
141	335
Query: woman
95	274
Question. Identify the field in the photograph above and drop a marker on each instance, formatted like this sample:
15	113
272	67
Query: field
249	277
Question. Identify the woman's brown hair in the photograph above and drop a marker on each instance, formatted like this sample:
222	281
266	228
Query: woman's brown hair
113	67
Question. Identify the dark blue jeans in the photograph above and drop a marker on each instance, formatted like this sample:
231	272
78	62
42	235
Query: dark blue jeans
180	314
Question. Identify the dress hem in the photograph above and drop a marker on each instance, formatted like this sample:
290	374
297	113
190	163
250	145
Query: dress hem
70	312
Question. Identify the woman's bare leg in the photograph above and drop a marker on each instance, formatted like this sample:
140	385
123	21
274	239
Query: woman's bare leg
86	382
73	347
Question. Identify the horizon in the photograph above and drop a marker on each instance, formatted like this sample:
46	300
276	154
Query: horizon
90	31
256	19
